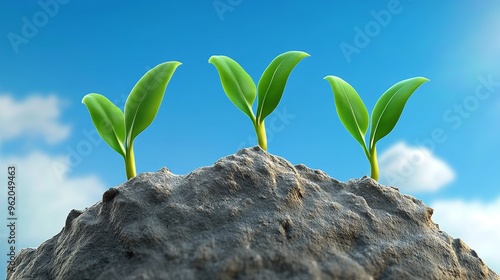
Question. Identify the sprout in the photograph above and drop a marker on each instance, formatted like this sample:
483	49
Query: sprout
241	89
354	116
120	129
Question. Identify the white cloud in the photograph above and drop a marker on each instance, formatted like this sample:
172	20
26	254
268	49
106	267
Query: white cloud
44	194
477	223
33	116
43	199
413	169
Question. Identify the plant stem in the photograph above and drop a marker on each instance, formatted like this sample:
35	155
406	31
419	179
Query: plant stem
374	163
260	129
130	162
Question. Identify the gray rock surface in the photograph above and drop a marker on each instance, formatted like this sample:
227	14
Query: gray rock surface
251	215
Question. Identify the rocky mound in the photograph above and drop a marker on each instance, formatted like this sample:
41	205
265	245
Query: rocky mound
251	215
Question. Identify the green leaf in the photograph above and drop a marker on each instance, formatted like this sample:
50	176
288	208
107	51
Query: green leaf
273	80
350	108
389	107
145	99
108	120
237	84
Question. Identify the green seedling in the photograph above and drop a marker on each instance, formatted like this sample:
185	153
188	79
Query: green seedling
120	129
241	89
354	116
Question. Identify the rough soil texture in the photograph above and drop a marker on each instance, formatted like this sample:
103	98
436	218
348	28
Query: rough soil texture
251	215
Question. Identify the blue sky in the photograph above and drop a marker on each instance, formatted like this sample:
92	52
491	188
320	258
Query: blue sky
52	53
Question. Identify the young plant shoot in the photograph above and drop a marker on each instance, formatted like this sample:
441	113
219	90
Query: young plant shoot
354	116
241	89
120	129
